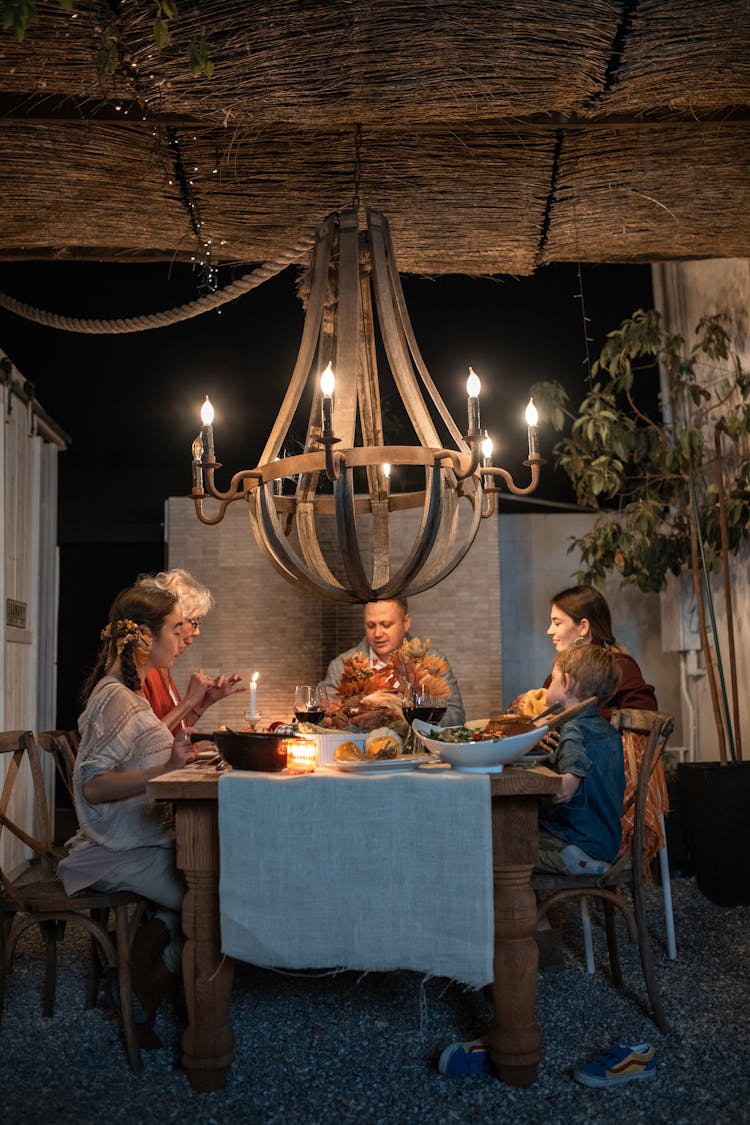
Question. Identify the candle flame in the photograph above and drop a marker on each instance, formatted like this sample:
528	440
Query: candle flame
207	412
386	470
254	678
532	414
327	381
473	386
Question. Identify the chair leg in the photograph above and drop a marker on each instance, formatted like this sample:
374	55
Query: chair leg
588	943
666	885
610	927
644	948
122	929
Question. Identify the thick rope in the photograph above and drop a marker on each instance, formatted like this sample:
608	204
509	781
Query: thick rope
171	316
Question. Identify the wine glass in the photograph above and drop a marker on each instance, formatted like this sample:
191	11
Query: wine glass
418	703
310	703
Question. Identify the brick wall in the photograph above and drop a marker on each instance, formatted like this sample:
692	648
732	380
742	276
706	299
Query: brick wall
262	623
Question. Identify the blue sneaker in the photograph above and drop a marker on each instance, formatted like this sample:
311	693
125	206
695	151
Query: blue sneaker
620	1064
462	1059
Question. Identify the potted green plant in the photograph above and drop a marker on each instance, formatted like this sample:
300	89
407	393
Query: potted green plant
672	487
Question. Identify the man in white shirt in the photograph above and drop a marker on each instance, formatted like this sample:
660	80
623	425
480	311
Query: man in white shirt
386	625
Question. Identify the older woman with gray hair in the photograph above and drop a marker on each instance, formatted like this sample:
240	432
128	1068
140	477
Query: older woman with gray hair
195	600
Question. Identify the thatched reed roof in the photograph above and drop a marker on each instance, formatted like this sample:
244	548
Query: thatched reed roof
496	136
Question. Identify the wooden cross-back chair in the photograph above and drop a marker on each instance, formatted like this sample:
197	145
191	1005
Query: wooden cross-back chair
627	869
62	745
37	897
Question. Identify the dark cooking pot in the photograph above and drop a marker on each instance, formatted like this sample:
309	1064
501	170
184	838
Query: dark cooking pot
248	750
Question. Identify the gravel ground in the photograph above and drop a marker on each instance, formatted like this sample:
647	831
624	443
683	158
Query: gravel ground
363	1049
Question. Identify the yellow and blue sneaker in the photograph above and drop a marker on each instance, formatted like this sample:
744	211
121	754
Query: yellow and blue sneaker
620	1064
463	1059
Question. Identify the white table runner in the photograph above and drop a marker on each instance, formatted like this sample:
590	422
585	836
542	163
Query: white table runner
330	870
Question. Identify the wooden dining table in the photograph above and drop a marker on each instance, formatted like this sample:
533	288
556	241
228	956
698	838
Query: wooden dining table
515	1038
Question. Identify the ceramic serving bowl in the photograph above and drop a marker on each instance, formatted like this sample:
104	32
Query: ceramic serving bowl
487	756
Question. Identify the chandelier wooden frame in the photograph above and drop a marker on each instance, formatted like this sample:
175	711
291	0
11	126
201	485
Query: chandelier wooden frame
348	267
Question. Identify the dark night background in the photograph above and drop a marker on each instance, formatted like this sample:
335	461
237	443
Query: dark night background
130	403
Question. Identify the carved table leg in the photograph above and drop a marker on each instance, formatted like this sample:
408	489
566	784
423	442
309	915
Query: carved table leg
515	1038
208	1040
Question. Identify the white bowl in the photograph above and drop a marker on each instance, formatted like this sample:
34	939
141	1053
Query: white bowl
328	744
487	756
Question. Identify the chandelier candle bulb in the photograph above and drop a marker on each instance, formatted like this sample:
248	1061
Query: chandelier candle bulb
487	449
473	387
532	417
327	384
207	433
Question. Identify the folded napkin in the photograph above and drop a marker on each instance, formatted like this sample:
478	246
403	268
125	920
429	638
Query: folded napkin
330	870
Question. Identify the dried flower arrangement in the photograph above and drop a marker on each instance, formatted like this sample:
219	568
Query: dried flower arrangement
369	697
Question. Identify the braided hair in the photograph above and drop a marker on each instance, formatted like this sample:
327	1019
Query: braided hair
133	607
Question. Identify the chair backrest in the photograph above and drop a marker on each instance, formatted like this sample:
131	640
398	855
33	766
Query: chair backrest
15	747
63	747
638	730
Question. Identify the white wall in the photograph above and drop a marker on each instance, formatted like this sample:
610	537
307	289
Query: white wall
684	292
534	566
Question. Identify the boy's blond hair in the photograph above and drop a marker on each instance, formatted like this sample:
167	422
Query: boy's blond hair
593	669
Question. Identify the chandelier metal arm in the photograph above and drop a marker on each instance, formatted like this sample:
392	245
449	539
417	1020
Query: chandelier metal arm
234	492
534	462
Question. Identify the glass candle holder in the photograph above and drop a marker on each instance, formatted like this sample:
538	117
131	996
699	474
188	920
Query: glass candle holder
301	755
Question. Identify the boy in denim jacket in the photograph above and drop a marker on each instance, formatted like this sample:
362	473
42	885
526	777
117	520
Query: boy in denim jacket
580	829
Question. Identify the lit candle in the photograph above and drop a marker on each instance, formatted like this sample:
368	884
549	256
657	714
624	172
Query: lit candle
386	470
532	417
487	449
207	433
302	754
254	696
473	387
327	384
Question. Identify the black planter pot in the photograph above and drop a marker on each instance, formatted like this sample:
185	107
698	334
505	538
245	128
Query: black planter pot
714	809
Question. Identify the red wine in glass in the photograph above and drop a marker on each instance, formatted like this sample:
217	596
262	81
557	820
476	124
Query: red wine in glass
310	716
423	713
437	712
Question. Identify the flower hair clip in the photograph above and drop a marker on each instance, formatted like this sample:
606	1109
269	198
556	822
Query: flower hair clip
126	632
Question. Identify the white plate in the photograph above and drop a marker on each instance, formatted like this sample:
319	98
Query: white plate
386	765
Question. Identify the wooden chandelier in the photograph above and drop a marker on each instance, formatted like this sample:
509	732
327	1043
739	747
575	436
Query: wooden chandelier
348	266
